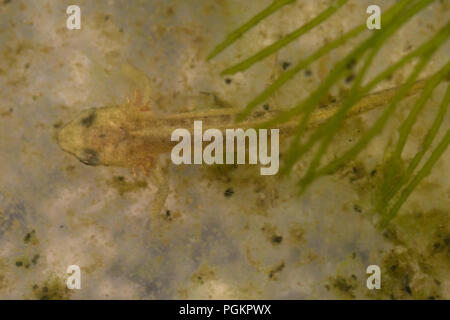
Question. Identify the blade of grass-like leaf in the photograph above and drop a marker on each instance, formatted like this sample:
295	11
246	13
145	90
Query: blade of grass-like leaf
407	125
236	34
356	93
247	63
286	76
332	125
424	172
307	105
382	120
294	151
428	140
436	41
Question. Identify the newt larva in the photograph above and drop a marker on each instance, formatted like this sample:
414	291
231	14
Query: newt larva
131	135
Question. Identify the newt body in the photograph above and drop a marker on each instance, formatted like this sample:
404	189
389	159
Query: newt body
131	135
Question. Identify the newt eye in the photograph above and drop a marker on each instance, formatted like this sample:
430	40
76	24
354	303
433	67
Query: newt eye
89	120
90	157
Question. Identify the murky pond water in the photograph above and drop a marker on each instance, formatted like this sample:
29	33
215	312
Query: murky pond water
224	231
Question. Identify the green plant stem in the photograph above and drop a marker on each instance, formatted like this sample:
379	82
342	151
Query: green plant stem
431	134
286	76
407	125
428	140
378	39
382	120
247	63
424	172
435	42
356	93
236	34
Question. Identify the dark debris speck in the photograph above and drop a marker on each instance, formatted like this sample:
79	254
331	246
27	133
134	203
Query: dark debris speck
285	65
35	258
228	193
350	78
168	215
277	239
351	64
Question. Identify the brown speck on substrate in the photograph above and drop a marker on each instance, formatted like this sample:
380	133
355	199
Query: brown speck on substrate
58	125
35	258
28	236
227	81
228	193
170	11
350	78
285	65
277	239
406	286
276	270
308	73
342	284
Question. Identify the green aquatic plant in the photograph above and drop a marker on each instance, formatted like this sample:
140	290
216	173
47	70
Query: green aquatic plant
356	92
274	47
236	34
399	181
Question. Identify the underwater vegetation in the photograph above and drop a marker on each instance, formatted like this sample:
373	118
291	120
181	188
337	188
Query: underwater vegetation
401	176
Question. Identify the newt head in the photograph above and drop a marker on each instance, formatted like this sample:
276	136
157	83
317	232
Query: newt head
94	137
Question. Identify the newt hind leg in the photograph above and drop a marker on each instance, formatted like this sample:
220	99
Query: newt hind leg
159	178
162	184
